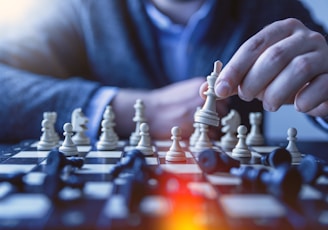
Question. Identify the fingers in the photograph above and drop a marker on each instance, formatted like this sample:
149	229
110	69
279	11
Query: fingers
233	73
313	99
284	63
271	63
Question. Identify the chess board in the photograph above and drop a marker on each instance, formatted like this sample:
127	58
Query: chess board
183	197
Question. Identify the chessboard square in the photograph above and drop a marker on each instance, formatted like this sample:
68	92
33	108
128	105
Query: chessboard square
25	206
149	160
167	144
162	154
223	179
83	148
13	168
182	168
202	188
35	178
23	161
95	168
32	154
98	189
252	206
104	154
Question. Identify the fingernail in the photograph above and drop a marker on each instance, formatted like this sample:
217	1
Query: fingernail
222	89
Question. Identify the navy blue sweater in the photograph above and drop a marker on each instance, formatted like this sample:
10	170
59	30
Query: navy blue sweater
67	52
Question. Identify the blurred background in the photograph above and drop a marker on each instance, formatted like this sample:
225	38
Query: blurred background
277	123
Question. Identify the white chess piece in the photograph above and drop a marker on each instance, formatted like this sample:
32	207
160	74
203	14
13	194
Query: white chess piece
175	152
203	141
79	124
108	139
207	114
68	147
109	115
230	124
138	118
46	140
255	136
241	149
145	145
52	117
195	135
291	147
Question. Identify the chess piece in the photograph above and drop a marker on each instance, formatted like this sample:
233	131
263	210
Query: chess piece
195	135
46	140
56	161
108	138
211	161
79	124
52	118
311	168
203	141
145	145
284	182
175	153
241	149
138	118
109	116
230	124
255	136
207	114
277	157
68	147
291	147
53	184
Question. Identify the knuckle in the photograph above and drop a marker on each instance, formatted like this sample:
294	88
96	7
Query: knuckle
302	66
292	23
276	54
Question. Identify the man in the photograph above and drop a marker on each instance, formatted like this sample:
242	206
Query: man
69	54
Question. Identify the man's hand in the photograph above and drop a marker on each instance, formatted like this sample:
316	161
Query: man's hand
173	105
284	63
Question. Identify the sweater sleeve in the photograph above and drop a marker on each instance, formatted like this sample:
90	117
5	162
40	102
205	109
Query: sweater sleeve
43	67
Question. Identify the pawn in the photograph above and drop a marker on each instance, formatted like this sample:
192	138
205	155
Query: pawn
277	157
255	136
291	147
144	144
311	168
108	138
175	152
56	161
203	141
68	147
211	161
241	149
46	140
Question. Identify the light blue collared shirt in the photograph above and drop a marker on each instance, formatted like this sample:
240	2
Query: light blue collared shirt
178	42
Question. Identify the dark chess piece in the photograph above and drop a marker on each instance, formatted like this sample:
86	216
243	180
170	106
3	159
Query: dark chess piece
53	184
277	157
311	168
211	161
127	163
284	182
56	161
15	179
